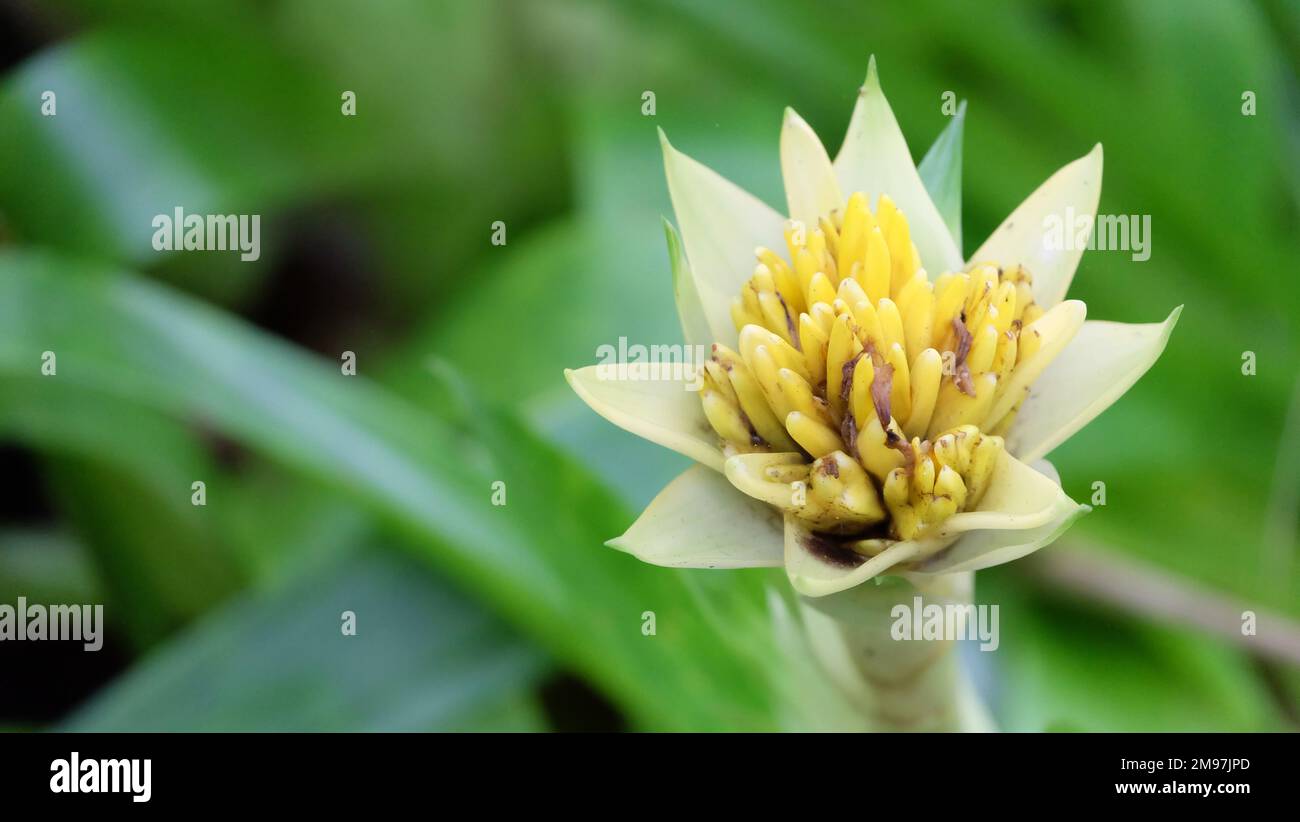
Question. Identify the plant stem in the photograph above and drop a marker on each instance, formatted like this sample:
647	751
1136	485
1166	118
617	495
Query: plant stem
897	685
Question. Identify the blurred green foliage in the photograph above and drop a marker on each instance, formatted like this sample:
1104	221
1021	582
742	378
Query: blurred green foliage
372	493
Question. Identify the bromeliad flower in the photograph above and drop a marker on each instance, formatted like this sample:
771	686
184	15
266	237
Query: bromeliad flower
873	403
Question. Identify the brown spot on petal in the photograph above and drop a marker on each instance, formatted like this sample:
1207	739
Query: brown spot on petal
846	376
831	551
849	431
789	324
961	376
882	386
902	446
963	336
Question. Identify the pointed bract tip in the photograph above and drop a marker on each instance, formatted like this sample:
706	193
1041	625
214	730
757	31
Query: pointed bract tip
873	79
663	138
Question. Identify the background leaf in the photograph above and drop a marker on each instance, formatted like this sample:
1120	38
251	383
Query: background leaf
423	658
521	557
376	235
941	172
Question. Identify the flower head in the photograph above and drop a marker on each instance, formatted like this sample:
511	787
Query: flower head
871	403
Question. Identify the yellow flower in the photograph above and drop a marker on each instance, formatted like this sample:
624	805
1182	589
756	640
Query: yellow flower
872	402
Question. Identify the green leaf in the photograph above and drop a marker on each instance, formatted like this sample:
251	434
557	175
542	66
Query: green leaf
941	172
160	566
45	566
1068	664
122	473
424	657
539	560
212	122
563	327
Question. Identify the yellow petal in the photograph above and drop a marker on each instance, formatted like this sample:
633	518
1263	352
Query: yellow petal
1023	510
1018	498
1046	338
1019	491
812	434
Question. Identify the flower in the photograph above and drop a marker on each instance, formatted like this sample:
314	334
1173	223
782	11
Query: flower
858	416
